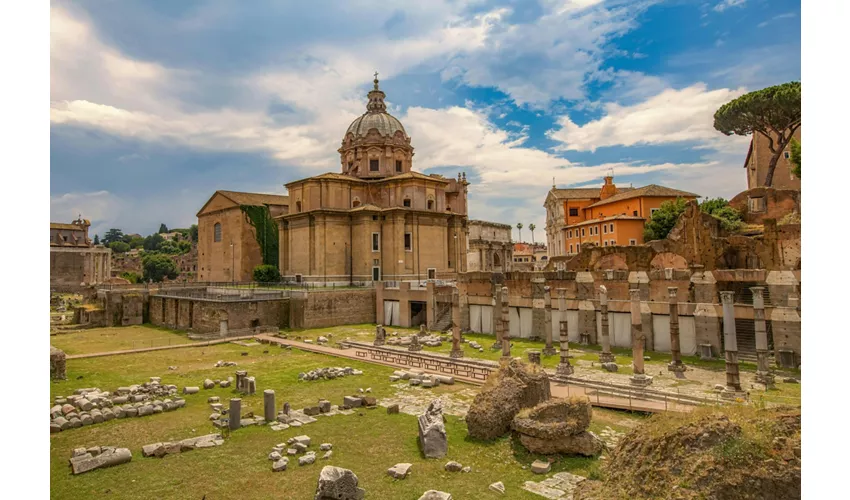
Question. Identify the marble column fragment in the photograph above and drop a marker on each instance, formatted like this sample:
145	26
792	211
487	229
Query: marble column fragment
268	405
564	367
730	341
497	318
675	364
234	415
506	325
763	372
605	356
639	378
548	350
456	352
379	335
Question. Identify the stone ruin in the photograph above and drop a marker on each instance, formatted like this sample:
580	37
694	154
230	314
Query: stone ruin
417	341
558	426
93	406
160	450
432	431
57	364
418	377
88	459
514	386
224	363
328	373
336	483
436	495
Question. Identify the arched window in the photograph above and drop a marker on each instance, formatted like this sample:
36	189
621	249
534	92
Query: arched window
430	204
355	203
217	232
406	202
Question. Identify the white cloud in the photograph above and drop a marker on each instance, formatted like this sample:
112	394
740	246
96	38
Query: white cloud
668	117
726	4
102	208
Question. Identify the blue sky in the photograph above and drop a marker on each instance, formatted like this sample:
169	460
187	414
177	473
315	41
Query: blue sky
156	104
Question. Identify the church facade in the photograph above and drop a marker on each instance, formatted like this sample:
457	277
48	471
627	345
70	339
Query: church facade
378	219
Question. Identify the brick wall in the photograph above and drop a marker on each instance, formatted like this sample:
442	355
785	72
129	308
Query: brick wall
316	309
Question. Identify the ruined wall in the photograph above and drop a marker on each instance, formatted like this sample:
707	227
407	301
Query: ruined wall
206	316
777	203
316	309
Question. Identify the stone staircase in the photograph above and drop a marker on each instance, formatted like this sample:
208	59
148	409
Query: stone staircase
442	318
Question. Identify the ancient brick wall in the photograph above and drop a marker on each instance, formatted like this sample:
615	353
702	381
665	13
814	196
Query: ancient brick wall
777	203
316	309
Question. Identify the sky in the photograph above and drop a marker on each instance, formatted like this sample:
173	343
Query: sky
154	105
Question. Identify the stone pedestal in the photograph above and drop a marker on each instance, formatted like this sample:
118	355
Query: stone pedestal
565	369
639	378
605	356
268	405
57	364
730	341
763	373
506	325
422	331
548	350
234	414
457	352
414	344
534	357
676	364
538	315
380	335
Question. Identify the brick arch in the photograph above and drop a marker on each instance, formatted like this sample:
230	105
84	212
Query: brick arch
615	261
664	260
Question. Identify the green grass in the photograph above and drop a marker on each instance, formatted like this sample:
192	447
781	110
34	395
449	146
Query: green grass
117	339
367	442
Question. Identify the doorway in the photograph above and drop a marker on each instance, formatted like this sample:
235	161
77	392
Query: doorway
223	328
418	313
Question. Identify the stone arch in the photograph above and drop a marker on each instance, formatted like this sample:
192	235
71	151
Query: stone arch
497	260
664	260
616	261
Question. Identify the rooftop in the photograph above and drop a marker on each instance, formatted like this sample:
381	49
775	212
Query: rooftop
255	198
650	190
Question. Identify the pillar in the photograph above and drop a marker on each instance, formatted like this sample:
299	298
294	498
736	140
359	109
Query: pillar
548	350
379	335
639	378
234	415
240	378
676	364
730	341
586	308
786	333
498	326
537	307
506	325
763	373
605	356
565	369
457	352
268	405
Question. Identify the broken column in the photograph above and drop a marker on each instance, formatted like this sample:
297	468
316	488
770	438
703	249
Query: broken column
414	343
703	293
506	325
605	356
639	378
234	415
379	335
675	364
547	319
57	364
538	315
763	373
730	342
457	352
586	308
786	333
497	318
564	367
240	377
268	405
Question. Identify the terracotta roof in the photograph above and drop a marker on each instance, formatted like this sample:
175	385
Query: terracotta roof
605	219
576	193
255	198
650	190
60	225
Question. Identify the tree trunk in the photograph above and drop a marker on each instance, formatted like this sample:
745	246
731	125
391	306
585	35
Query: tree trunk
771	167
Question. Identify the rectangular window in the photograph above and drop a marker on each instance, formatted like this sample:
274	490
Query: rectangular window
376	242
613	243
635	213
756	204
376	262
573	212
611	228
582	231
578	247
408	242
652	211
571	249
217	232
407	202
398	165
570	235
373	165
787	155
604	229
605	243
632	242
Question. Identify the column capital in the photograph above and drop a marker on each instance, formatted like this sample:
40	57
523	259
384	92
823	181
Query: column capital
672	292
634	294
727	297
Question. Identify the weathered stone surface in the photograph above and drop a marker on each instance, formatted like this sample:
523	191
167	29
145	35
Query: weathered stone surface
432	431
610	367
352	401
280	465
392	409
336	483
514	386
190	390
208	384
399	471
541	467
275	455
498	487
453	466
325	446
585	443
558	426
436	495
109	458
303	439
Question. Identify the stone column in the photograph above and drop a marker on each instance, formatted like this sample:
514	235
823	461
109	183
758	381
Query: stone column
379	335
730	342
565	369
676	364
547	319
786	334
537	308
234	415
506	325
457	352
586	308
268	405
497	318
240	378
534	357
763	373
639	378
605	356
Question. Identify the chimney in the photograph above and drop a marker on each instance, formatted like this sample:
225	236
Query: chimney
608	189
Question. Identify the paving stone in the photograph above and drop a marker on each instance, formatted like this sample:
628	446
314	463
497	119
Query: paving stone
541	467
399	471
280	465
453	466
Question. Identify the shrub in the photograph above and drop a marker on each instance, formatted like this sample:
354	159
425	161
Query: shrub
131	277
266	273
119	247
157	266
663	220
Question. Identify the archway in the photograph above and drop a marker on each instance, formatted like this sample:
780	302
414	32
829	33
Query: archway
497	262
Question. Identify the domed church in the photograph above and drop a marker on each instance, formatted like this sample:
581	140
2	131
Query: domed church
377	219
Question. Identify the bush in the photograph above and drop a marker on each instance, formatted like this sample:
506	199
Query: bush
266	274
730	219
157	266
663	220
119	247
131	277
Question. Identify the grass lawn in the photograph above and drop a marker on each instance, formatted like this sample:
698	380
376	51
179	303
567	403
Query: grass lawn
117	339
367	442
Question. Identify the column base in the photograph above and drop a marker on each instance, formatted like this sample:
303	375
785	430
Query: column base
584	339
766	378
676	367
506	357
549	351
378	342
606	357
565	369
415	348
732	393
641	380
456	353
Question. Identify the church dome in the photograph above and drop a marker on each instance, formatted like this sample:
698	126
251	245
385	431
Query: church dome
376	117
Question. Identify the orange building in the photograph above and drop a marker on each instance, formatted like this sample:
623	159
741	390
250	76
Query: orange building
609	216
